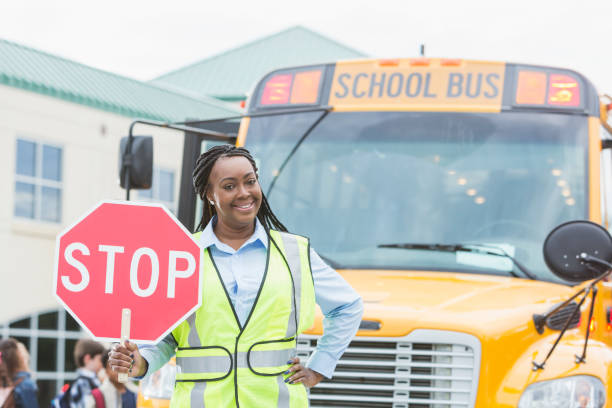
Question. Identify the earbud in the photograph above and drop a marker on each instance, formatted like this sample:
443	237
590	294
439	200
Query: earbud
212	202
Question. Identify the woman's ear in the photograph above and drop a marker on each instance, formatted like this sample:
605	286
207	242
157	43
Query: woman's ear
206	196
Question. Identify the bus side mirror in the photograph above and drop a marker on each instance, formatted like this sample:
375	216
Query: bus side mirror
565	244
140	162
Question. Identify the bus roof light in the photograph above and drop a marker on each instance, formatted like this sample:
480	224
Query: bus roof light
277	89
450	62
531	88
305	87
563	90
420	62
292	88
389	62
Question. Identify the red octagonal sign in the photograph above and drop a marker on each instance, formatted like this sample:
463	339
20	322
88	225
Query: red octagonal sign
128	255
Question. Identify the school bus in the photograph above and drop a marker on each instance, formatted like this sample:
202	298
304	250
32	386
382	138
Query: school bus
430	185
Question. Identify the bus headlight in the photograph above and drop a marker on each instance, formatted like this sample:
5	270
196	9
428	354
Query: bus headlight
580	391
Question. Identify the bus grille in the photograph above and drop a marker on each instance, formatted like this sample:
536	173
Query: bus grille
387	373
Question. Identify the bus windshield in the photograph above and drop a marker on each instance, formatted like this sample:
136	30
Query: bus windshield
360	181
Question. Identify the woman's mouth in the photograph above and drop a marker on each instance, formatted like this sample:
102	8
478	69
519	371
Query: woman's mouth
245	207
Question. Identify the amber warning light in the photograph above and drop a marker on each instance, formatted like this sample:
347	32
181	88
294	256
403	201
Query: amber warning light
296	88
542	88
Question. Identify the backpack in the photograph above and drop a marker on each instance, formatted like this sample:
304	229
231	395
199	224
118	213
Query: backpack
64	398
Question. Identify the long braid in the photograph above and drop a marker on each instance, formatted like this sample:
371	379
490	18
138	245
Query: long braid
201	174
267	217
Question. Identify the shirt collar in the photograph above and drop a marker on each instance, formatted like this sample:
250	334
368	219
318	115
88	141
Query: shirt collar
208	237
87	373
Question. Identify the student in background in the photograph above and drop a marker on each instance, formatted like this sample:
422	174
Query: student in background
16	386
114	393
88	359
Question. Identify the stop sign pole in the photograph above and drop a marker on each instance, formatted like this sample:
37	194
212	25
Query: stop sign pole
128	270
126	317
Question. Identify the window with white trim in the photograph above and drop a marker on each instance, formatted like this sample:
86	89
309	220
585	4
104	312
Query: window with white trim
162	189
38	181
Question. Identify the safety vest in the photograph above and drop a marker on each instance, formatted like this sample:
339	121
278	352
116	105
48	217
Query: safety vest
223	364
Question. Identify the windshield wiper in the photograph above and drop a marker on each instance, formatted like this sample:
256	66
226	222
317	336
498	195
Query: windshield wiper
475	248
292	152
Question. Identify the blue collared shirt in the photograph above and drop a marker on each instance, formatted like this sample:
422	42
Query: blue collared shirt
242	271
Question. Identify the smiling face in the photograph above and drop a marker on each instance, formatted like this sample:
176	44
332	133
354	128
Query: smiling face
234	188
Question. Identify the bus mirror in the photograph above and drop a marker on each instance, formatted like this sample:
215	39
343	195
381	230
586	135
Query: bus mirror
565	244
140	162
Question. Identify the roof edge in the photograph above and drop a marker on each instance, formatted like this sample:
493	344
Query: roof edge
196	97
362	54
41	89
260	39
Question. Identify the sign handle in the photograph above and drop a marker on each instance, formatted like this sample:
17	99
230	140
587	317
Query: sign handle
126	315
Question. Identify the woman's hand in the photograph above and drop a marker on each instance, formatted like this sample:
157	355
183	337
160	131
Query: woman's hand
125	358
300	374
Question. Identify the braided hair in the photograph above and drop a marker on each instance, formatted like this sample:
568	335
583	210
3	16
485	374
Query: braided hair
201	174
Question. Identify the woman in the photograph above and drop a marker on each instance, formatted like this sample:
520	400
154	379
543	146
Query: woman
16	386
259	292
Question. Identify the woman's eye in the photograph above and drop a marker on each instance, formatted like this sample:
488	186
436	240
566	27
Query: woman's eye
228	187
252	181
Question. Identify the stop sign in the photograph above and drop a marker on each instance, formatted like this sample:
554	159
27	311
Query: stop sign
128	255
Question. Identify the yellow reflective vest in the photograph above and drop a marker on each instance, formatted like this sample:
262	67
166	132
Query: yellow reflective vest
223	364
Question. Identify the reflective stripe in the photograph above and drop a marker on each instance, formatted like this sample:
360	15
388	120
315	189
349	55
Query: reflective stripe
193	338
223	364
197	395
269	358
292	252
206	364
283	393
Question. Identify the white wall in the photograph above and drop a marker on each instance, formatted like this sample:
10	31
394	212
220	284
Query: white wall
89	175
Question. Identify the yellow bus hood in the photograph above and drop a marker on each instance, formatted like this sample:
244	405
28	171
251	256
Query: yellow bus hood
483	305
496	310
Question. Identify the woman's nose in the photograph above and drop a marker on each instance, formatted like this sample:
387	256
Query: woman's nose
242	190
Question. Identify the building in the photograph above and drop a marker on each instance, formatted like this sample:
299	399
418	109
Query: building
60	126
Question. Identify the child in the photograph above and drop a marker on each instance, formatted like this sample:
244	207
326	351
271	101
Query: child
16	386
88	359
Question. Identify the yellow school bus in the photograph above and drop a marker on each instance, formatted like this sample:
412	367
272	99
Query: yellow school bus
430	185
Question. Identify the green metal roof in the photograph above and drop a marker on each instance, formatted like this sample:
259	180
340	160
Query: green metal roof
29	69
231	74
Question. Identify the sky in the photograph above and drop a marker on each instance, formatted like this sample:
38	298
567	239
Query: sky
144	39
